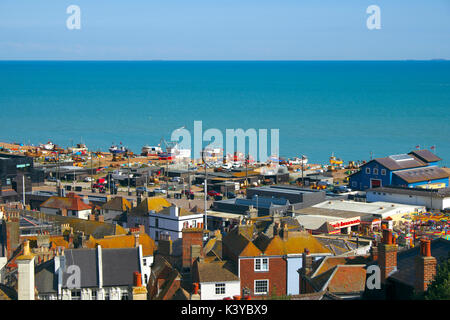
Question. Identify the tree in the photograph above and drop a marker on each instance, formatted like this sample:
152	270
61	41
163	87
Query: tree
439	289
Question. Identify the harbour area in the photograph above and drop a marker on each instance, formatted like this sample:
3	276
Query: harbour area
222	209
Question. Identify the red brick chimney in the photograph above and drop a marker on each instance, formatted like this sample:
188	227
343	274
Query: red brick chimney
387	255
192	245
137	279
425	266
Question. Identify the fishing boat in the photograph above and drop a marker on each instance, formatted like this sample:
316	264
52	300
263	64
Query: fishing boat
151	151
49	146
114	149
303	160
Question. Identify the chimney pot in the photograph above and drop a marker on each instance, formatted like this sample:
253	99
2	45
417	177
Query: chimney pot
425	247
137	279
195	288
387	236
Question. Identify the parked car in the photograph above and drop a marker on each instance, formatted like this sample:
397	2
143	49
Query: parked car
341	189
159	190
213	193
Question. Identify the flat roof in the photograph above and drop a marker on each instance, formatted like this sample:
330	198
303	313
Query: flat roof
435	193
225	215
313	222
378	207
325	212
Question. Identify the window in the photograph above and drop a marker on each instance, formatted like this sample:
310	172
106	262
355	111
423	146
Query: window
261	264
220	288
261	286
375	170
367	170
383	172
76	295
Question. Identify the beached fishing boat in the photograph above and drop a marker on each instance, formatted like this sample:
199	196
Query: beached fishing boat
303	160
114	149
151	151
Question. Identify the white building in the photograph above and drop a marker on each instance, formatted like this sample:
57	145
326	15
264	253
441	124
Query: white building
377	209
70	206
431	198
90	274
217	280
172	220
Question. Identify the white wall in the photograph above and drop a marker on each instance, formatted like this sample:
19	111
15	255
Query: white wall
440	204
208	290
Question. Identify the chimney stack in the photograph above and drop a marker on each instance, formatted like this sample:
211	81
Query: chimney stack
195	295
192	246
25	264
425	266
276	229
136	240
284	231
387	255
139	292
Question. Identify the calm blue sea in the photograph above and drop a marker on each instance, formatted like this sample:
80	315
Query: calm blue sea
349	108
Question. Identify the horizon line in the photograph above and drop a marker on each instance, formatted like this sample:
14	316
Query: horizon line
221	60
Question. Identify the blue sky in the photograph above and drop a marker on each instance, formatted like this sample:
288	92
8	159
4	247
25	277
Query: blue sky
224	30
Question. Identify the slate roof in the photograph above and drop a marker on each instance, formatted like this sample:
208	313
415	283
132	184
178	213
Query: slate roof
422	174
391	164
44	277
119	266
405	273
86	259
425	155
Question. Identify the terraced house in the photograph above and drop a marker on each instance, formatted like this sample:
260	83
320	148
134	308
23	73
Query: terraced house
268	265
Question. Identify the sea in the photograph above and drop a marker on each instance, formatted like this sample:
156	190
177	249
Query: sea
355	110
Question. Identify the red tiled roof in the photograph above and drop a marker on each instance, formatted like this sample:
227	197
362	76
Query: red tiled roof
71	202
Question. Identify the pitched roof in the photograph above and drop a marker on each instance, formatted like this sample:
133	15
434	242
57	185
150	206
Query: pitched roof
117	204
405	260
425	155
71	202
119	265
422	174
239	244
348	279
391	164
217	271
124	241
296	243
150	204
